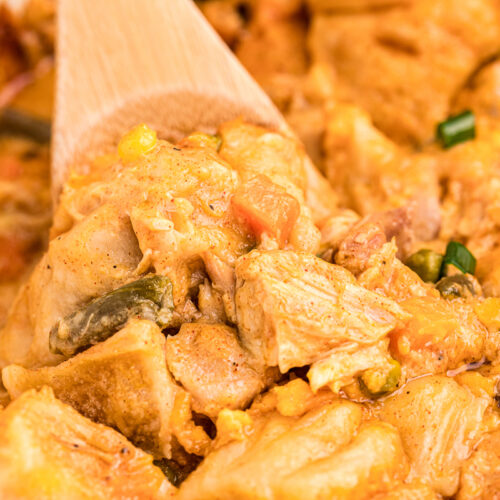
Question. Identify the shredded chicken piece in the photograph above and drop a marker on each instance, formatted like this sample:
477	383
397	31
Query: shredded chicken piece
294	308
340	366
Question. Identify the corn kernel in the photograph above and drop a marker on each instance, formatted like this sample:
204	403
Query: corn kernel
200	139
489	313
293	397
233	423
404	345
139	141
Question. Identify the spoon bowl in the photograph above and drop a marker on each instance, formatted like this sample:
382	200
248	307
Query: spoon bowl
123	62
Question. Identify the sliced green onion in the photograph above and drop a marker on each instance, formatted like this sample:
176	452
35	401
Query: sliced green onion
458	256
457	129
426	263
149	298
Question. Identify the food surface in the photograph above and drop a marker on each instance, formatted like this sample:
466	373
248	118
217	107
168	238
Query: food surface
207	321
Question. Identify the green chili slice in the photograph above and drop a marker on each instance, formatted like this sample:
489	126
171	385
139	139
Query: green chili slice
426	263
459	256
147	298
457	129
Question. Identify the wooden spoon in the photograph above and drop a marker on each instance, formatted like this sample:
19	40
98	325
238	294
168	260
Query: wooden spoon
123	62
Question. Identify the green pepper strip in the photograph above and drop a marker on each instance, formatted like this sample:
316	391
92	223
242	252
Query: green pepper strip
147	298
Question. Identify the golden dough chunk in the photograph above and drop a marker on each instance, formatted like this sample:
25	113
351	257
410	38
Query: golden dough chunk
480	476
439	422
254	467
48	450
122	382
369	464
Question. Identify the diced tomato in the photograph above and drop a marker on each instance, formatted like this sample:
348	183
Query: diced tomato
266	208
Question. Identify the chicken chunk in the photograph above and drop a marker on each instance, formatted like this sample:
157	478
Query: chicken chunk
254	467
480	476
470	177
122	382
368	236
440	422
386	274
293	308
48	450
210	363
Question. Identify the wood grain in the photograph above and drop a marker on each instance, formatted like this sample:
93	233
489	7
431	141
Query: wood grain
123	62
